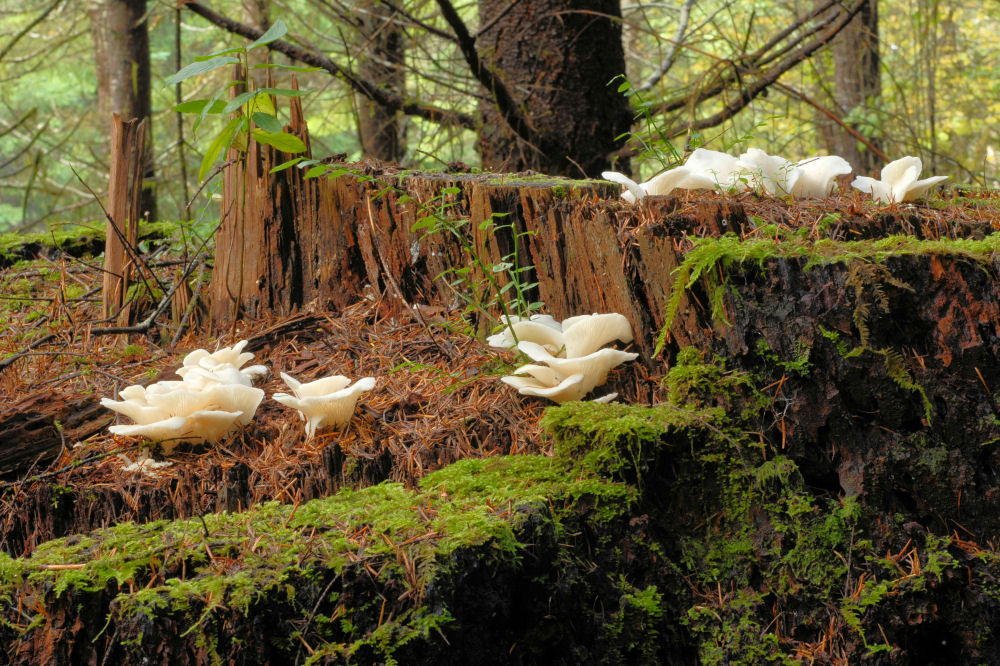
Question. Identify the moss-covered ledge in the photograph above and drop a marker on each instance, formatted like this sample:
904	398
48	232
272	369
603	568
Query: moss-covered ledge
507	559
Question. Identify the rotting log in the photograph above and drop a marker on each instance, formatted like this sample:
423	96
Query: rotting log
36	428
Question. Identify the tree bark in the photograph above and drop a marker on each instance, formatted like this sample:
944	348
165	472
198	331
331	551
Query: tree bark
558	58
121	50
857	87
380	129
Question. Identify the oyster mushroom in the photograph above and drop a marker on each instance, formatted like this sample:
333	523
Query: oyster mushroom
818	176
213	398
898	181
575	336
329	401
564	379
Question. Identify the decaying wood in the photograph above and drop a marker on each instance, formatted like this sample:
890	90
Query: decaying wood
35	429
124	188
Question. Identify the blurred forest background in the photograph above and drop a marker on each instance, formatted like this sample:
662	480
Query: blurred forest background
560	86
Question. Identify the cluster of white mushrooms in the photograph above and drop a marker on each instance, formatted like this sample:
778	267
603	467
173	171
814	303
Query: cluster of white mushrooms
755	170
215	396
569	361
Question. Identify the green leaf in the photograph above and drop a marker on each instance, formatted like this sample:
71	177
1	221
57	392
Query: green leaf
208	107
232	49
276	31
203	67
267	122
317	170
199	105
239	100
284	92
283	141
262	104
285	165
219	144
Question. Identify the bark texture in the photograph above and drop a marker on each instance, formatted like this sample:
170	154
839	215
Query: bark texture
557	57
856	89
121	49
382	41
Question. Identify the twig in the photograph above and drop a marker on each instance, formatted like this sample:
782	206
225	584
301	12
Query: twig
387	98
65	468
508	108
191	307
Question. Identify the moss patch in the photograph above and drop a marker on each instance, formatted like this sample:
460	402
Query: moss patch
768	567
380	554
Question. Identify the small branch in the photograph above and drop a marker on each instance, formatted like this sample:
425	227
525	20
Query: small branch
5	363
488	78
675	45
24	31
387	98
751	92
788	90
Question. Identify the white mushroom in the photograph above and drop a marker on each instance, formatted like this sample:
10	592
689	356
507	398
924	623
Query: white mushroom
329	401
585	334
769	174
898	181
214	398
203	426
576	336
818	176
143	464
539	328
563	379
704	170
201	368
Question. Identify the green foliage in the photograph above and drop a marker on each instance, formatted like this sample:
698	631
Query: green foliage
253	107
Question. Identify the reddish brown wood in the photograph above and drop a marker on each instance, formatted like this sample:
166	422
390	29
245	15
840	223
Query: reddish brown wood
124	202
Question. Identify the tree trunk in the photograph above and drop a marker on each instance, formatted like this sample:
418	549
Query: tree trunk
558	58
381	62
857	87
121	50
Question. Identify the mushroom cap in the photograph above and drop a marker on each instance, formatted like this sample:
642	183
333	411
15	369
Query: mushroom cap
682	177
201	426
879	190
899	181
542	332
567	390
330	409
818	175
529	328
918	189
585	334
139	411
319	387
722	169
592	368
770	173
633	191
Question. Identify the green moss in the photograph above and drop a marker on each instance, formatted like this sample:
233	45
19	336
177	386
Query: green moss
800	365
729	250
752	539
200	568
